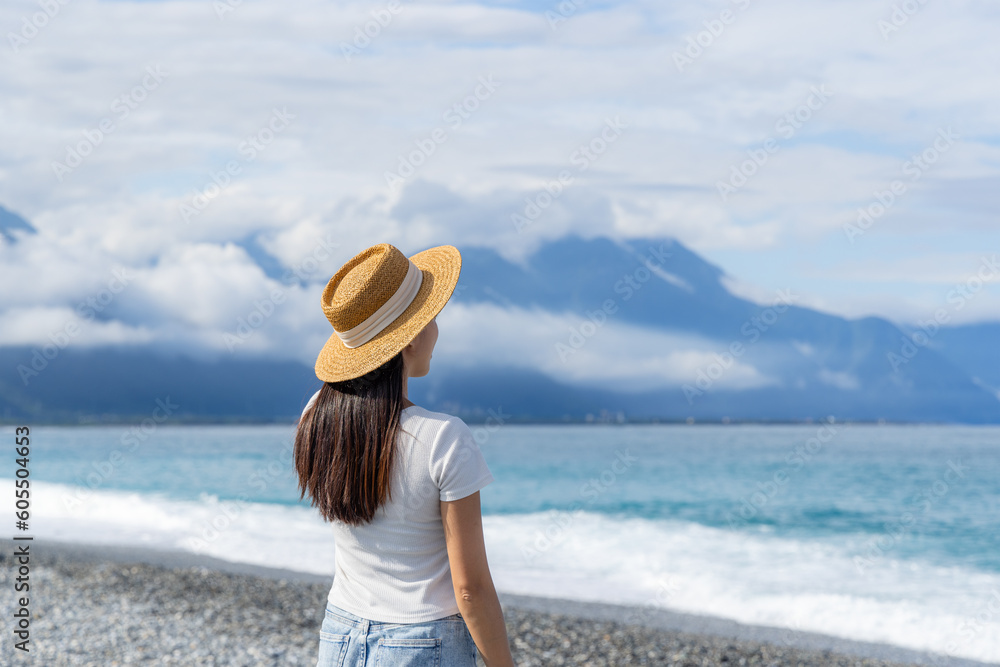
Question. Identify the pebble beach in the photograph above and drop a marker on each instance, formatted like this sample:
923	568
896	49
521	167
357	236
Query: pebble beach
107	606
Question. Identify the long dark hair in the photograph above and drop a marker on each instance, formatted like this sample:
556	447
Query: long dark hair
345	445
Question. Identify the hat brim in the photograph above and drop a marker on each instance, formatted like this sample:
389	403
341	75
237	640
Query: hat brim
440	267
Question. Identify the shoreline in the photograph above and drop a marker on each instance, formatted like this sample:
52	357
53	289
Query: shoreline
693	629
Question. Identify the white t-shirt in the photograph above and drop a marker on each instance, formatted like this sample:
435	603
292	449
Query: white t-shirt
395	569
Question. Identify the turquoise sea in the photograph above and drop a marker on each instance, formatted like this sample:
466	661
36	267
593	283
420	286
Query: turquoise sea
878	533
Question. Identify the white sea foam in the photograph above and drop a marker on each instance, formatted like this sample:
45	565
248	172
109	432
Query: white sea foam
758	579
289	537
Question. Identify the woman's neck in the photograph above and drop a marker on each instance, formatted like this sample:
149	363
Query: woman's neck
406	401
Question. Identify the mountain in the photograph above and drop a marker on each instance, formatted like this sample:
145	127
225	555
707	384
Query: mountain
116	384
804	364
12	222
866	369
972	347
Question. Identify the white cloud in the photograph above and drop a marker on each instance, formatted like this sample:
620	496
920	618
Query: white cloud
615	355
983	306
58	328
803	348
840	380
753	293
343	140
324	174
202	285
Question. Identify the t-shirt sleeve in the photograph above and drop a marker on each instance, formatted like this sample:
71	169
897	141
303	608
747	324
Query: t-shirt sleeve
309	404
457	465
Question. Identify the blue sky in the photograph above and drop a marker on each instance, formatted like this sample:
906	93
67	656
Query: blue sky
307	117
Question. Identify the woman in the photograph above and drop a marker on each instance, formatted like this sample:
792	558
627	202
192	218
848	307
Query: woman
400	484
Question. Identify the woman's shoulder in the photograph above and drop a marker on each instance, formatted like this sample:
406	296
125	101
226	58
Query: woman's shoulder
309	404
439	420
424	413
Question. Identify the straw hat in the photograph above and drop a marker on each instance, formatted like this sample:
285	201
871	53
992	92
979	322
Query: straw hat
378	302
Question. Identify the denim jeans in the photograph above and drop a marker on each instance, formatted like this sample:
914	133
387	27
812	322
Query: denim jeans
349	640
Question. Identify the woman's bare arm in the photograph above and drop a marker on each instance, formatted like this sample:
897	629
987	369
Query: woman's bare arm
470	575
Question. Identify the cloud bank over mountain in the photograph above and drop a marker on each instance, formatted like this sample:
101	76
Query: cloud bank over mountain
641	328
161	196
806	113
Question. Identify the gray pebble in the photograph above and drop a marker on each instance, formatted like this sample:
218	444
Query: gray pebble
107	614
